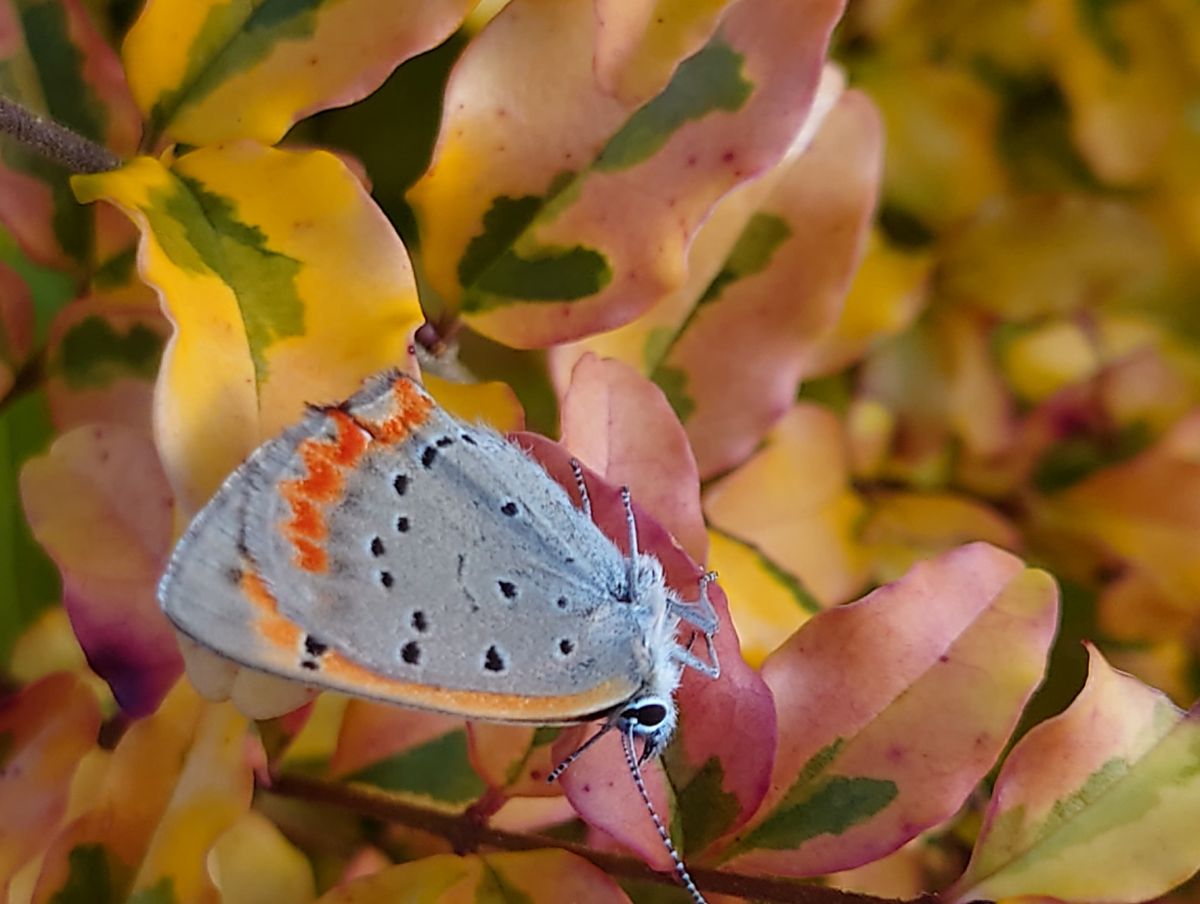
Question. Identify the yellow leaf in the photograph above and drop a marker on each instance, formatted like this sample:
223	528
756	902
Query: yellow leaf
766	603
793	502
205	71
286	285
252	863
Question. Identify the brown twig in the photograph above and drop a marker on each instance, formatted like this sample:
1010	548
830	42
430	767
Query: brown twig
53	141
466	832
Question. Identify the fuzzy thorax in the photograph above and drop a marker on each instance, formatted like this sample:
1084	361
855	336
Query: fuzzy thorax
651	713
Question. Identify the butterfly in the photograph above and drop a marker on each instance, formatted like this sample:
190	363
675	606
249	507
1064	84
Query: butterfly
383	548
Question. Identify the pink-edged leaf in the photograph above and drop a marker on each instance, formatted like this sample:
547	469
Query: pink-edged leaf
16	326
642	342
892	709
1096	804
734	368
719	779
45	730
286	285
408	752
552	210
206	72
102	361
620	424
100	504
85	90
639	43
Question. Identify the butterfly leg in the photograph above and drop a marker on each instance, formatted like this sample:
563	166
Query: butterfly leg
584	499
698	613
711	669
701	616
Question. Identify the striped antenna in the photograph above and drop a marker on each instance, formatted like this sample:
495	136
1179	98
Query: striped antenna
557	771
685	878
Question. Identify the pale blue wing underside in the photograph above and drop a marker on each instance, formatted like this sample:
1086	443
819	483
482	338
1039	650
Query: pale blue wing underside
466	568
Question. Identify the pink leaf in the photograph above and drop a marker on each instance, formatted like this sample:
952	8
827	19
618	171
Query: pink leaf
734	369
103	359
552	209
99	503
892	709
620	424
708	760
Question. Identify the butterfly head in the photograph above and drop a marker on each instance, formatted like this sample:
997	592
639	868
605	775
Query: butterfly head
651	718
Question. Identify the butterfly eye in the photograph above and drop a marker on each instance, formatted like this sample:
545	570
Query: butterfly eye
648	715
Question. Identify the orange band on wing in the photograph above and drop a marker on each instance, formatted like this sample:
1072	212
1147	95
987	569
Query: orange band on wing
338	671
411	410
273	626
325	460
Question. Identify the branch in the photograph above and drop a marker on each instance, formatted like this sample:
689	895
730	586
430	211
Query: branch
55	142
466	833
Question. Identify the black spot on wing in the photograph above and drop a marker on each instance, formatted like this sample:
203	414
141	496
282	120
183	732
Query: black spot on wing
313	650
314	647
493	661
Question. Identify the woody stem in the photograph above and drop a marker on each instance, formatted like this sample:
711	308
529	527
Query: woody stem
466	832
55	142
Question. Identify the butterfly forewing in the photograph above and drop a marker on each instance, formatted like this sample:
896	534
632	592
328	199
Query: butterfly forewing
433	554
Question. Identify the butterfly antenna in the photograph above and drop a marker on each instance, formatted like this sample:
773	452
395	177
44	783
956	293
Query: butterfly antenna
631	523
681	872
557	771
584	499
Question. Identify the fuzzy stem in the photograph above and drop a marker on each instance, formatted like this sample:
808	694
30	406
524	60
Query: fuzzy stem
467	833
55	142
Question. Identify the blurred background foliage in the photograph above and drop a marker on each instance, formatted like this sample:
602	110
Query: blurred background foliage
1022	352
